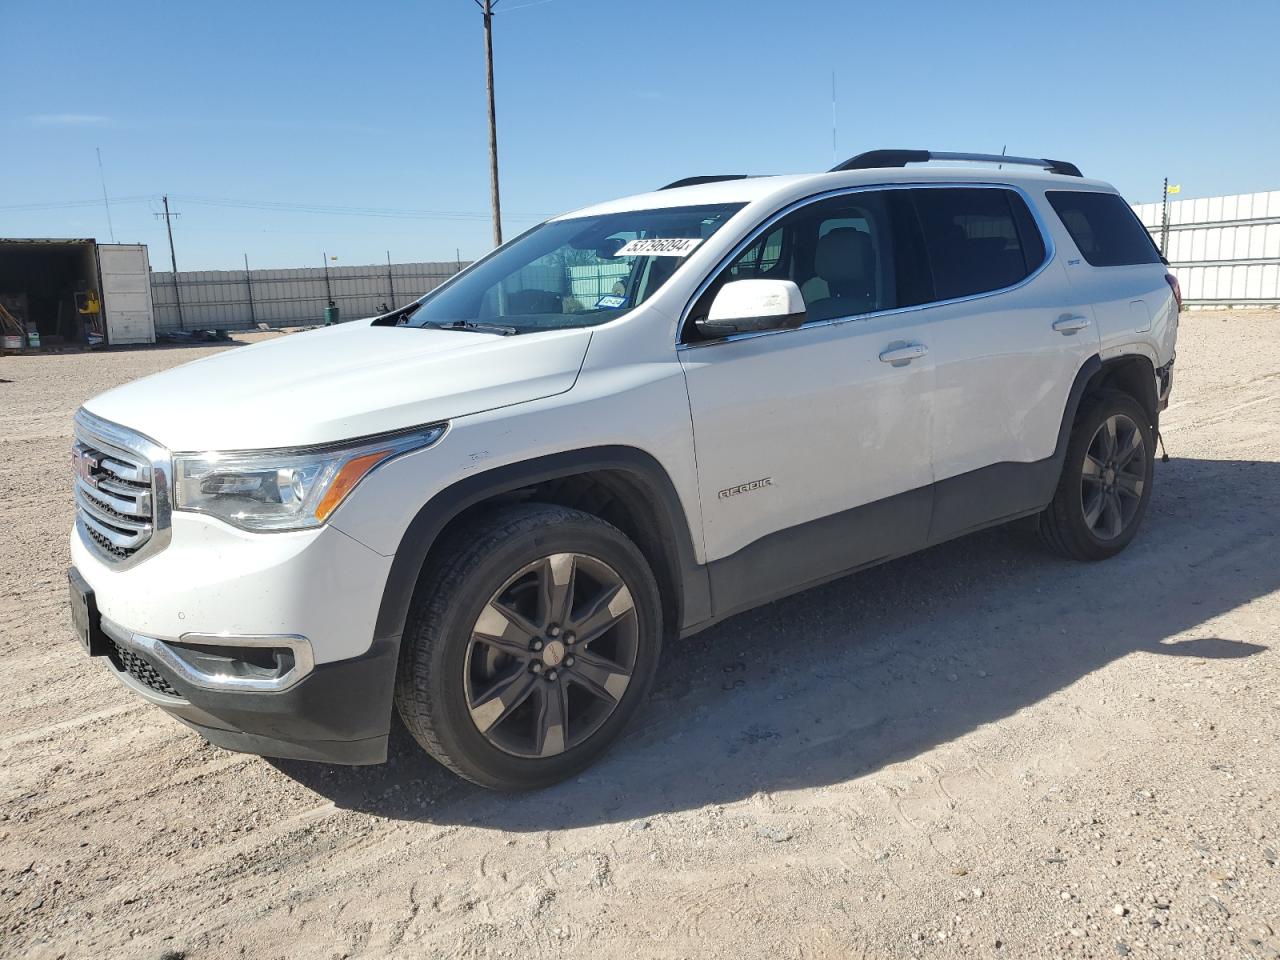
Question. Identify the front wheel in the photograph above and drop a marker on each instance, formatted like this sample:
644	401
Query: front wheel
1105	485
532	640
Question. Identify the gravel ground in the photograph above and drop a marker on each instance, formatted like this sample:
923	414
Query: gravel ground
979	751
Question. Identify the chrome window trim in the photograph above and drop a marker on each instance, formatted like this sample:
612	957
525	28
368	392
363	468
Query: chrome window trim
1050	251
163	653
133	446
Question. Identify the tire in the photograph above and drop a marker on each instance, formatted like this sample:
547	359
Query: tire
487	676
1103	492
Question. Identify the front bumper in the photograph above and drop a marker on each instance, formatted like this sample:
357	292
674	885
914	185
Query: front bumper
309	598
339	712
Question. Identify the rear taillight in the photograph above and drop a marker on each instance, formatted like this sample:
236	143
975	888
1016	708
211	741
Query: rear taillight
1172	281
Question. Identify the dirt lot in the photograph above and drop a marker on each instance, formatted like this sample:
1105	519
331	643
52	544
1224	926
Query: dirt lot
980	751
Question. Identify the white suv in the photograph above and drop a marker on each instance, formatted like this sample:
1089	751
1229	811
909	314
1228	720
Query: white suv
489	508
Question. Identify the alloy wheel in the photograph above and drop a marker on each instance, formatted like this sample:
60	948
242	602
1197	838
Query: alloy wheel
551	655
1113	478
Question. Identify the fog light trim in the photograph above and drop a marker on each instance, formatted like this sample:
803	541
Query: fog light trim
169	655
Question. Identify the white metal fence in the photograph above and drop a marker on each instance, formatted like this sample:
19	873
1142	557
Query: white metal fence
235	299
1225	251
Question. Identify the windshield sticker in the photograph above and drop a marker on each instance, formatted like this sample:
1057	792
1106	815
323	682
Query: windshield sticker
611	302
656	247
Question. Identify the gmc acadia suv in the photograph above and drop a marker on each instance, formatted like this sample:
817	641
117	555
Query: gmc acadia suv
490	507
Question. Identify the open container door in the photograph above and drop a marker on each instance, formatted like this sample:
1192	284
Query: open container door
126	293
43	283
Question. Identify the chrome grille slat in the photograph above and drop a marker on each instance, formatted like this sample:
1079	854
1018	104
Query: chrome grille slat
136	505
107	518
105	547
126	489
119	539
130	472
121	491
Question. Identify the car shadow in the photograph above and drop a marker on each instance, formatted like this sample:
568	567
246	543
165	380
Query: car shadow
872	669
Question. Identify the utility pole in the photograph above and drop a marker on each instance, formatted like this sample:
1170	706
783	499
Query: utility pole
173	260
1164	221
487	7
329	314
391	284
248	285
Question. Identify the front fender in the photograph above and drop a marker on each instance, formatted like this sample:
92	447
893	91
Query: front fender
423	531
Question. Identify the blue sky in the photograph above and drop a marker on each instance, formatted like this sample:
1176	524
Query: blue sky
381	105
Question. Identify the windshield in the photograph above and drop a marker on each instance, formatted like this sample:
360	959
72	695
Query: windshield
574	273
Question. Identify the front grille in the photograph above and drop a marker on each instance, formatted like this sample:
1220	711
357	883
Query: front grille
117	489
141	670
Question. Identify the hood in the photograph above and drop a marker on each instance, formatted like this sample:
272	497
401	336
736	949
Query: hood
339	382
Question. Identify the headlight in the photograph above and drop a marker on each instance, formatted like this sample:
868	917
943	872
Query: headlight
284	489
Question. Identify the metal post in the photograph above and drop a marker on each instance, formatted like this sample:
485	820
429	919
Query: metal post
248	285
173	262
1164	229
391	284
487	7
328	290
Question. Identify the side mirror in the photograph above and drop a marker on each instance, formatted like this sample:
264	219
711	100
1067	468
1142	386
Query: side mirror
744	306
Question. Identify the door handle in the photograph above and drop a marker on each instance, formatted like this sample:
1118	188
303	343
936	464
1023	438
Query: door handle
903	354
1069	323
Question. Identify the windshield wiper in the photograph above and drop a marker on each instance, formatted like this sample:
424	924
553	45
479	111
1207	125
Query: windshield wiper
478	327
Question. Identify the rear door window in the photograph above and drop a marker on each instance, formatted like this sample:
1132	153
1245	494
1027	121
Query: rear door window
1104	228
979	239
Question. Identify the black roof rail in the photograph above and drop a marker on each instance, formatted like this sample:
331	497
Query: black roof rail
713	178
873	159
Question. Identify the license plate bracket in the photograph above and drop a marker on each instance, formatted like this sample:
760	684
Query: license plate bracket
85	618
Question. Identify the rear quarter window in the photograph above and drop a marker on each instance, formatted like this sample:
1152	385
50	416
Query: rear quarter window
1104	228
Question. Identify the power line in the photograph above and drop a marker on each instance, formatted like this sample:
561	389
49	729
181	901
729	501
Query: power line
274	206
61	204
285	206
278	206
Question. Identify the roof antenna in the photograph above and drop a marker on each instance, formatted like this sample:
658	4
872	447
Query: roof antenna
1003	151
105	202
835	156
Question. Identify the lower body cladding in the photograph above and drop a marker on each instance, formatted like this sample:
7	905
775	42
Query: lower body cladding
261	645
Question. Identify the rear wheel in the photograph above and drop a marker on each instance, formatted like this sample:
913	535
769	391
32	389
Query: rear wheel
532	641
1105	485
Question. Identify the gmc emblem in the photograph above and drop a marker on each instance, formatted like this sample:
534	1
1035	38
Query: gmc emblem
84	463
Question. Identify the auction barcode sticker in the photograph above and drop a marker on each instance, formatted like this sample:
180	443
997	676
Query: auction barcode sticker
657	247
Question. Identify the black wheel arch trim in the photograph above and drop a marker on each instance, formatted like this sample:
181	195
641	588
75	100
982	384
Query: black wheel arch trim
1085	376
690	579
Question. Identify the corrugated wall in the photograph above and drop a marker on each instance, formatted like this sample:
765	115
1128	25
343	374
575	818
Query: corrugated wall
234	299
1224	251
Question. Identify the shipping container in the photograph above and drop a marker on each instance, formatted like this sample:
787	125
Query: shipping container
77	291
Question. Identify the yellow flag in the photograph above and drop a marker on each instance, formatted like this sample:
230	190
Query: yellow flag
1175	188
